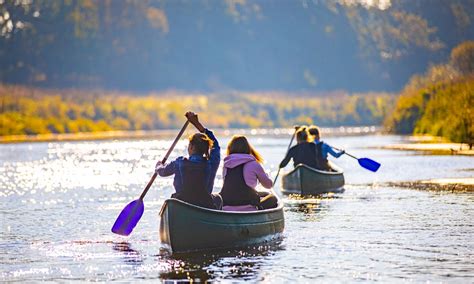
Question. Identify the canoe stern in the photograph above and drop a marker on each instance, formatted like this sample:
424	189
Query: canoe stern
306	180
185	227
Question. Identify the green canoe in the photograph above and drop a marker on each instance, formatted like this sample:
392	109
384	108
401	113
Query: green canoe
185	227
306	180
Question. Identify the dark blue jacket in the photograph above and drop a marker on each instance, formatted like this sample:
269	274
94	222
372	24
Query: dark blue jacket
175	167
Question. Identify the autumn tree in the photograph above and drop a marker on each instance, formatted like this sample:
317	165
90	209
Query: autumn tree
462	57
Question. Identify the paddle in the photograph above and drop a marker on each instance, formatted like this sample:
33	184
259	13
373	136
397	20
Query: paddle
288	149
366	163
131	214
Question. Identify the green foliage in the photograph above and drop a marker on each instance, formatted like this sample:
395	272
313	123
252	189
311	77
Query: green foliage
106	44
440	102
449	112
408	110
35	111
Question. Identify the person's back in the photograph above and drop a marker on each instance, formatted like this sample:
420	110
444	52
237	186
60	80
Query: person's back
302	153
241	172
322	157
194	176
235	191
194	188
322	149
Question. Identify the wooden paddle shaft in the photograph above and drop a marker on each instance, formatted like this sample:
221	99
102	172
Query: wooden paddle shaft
165	158
351	156
291	142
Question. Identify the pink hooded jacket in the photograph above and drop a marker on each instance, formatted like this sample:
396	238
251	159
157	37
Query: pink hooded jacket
253	171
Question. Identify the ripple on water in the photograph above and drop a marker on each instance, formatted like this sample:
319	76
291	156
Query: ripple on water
59	201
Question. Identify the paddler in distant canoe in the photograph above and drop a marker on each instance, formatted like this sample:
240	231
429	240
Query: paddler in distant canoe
194	176
304	152
322	149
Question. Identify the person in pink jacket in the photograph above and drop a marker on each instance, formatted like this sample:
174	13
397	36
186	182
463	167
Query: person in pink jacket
242	172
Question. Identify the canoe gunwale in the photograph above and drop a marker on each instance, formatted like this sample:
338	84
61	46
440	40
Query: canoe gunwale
222	212
306	180
338	170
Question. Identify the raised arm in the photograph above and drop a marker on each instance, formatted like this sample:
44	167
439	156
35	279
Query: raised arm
215	153
194	120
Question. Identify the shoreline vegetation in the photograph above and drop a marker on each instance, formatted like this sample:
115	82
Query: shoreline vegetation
31	111
151	134
439	102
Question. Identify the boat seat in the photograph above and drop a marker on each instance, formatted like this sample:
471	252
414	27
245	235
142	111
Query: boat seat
240	208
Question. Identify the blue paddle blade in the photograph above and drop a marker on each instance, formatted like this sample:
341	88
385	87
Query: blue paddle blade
128	218
369	164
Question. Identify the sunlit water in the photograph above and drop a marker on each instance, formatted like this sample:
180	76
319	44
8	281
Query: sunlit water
59	201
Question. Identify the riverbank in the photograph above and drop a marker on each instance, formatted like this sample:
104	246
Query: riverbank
432	145
445	184
164	133
84	136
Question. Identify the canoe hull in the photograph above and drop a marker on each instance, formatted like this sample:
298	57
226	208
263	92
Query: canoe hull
306	180
185	227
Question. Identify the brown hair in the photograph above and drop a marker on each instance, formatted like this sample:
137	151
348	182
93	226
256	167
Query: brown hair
240	145
201	144
302	134
314	130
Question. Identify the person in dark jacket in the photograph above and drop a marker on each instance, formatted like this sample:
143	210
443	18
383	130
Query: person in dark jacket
242	172
194	176
304	152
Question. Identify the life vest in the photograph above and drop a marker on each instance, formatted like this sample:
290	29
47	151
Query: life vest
322	162
195	182
235	191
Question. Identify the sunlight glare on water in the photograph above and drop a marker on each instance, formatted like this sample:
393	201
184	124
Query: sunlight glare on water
60	199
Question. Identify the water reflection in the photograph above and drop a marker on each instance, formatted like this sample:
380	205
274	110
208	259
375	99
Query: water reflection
58	201
309	197
242	264
310	207
130	256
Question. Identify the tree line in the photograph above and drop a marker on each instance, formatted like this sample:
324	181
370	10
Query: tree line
26	110
143	45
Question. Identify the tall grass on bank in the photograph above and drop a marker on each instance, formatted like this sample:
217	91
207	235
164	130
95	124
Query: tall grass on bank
442	109
32	111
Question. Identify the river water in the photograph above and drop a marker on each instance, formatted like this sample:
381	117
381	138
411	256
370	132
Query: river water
59	200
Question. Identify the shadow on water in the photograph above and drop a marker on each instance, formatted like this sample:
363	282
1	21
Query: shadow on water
130	255
231	264
310	207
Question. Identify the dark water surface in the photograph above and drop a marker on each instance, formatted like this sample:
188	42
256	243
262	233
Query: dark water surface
59	200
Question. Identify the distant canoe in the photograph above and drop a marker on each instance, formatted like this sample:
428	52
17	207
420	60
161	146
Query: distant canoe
186	227
306	180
